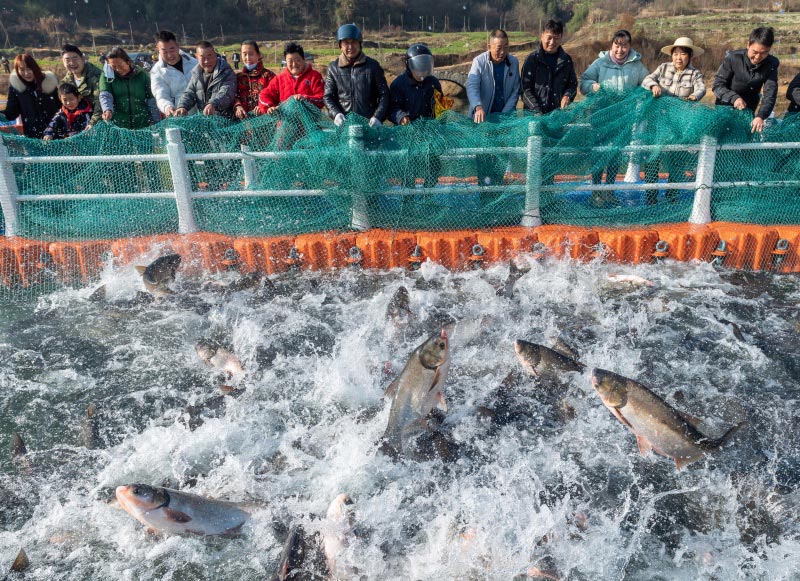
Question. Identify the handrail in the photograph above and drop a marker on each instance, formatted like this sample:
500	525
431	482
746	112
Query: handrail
533	152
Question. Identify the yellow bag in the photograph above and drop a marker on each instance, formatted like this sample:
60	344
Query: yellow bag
441	103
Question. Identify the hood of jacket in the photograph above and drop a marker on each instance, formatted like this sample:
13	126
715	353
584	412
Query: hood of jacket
49	83
632	56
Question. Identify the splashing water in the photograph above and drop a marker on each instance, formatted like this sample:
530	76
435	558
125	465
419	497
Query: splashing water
565	494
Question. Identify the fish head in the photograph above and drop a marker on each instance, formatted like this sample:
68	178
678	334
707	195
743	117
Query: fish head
161	272
529	355
435	352
138	499
205	350
611	388
338	508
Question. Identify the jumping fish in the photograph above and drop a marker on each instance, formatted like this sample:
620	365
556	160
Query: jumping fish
629	279
159	274
337	533
542	361
398	311
173	512
214	355
297	560
90	429
658	427
507	288
417	390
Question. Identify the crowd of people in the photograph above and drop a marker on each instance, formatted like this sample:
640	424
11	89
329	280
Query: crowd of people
181	84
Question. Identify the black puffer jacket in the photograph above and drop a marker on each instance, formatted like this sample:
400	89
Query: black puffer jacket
542	87
36	107
793	94
412	99
358	88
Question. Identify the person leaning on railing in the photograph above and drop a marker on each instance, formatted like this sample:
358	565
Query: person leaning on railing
355	83
75	114
171	73
84	75
212	88
548	80
250	81
492	88
298	80
32	95
618	69
744	72
125	95
674	79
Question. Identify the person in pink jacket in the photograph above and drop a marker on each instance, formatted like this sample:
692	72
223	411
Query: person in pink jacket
298	80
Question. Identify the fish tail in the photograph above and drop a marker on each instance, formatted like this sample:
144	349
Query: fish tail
728	436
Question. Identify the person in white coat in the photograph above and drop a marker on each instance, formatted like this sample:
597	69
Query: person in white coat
171	73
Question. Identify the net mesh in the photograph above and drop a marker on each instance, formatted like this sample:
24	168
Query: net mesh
440	174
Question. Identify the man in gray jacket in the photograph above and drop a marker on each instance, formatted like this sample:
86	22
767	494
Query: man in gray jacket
493	81
212	88
171	73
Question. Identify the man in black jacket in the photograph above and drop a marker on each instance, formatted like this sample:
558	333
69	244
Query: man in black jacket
548	75
744	72
355	83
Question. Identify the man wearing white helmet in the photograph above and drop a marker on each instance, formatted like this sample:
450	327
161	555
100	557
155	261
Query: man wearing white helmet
355	82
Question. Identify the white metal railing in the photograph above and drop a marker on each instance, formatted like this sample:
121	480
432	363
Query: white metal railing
532	152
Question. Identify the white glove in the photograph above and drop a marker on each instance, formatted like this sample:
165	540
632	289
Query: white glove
338	120
374	122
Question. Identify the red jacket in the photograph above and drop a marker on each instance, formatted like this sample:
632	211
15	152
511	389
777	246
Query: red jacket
309	84
249	84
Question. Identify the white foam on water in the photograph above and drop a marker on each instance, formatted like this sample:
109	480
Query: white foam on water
538	492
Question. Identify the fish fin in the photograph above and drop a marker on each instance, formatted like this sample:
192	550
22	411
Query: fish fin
562	347
645	447
176	515
681	463
441	400
690	419
99	294
21	563
437	377
730	434
140	269
392	389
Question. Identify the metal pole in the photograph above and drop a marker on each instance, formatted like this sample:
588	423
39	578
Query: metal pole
360	218
533	180
8	193
632	173
706	158
249	166
181	181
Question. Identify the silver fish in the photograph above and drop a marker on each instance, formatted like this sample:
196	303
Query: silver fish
544	362
174	512
214	355
337	534
90	429
657	425
417	390
159	274
398	311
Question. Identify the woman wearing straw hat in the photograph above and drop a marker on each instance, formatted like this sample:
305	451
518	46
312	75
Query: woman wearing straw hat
677	79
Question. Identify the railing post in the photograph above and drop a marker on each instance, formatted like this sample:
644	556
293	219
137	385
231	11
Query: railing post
249	167
533	179
181	182
360	218
8	193
632	172
706	158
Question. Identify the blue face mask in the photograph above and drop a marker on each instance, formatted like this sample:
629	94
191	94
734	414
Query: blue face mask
250	67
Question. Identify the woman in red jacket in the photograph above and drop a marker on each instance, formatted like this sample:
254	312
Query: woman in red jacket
250	81
298	80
